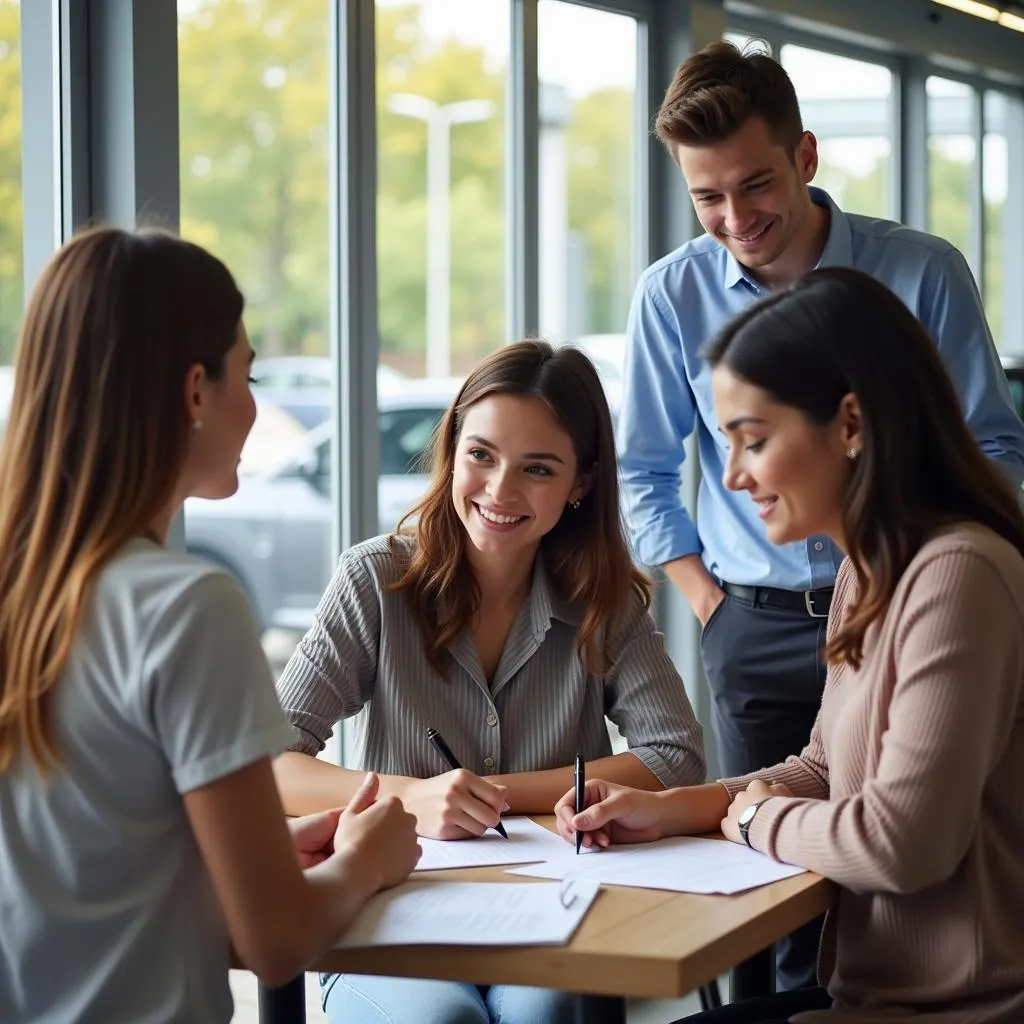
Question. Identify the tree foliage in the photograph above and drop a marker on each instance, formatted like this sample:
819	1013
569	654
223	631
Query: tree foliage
254	109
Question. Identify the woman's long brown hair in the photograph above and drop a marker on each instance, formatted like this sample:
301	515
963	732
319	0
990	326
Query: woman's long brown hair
585	553
836	332
95	442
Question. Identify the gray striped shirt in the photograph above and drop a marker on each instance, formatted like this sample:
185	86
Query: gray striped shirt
365	650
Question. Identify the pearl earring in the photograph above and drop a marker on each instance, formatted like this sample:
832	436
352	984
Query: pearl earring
852	453
197	424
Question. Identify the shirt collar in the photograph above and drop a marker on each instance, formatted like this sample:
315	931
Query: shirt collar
546	603
838	251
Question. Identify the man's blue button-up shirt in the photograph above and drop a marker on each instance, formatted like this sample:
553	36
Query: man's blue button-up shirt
684	298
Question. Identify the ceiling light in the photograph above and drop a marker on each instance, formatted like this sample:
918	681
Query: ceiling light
1014	21
979	10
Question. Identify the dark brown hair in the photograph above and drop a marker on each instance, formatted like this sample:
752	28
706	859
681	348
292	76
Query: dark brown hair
585	552
96	439
717	89
837	332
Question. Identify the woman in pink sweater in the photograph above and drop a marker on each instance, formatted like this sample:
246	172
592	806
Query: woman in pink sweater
841	421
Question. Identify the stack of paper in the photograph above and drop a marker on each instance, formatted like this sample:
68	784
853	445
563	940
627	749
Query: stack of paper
681	864
472	914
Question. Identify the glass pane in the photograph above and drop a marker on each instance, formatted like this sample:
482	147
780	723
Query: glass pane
588	191
848	105
12	283
442	70
254	189
951	154
996	170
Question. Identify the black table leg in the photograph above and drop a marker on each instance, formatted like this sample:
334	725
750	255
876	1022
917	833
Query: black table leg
284	1005
754	977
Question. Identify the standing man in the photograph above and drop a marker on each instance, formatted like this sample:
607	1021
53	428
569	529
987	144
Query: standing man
732	123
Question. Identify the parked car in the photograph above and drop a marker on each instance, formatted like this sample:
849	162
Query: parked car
302	385
274	533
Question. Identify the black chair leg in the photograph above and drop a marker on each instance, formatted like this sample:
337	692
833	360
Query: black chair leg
284	1005
710	996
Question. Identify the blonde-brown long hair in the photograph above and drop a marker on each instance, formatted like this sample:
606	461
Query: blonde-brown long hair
96	440
585	552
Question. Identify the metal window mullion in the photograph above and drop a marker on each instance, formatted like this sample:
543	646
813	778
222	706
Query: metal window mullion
40	135
354	342
522	160
1013	228
976	231
912	149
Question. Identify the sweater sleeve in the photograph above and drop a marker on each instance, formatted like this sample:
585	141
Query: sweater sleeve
958	661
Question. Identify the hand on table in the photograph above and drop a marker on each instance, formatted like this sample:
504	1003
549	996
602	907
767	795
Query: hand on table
757	790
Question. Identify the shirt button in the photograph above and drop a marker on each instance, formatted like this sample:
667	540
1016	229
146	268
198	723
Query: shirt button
488	762
818	546
492	719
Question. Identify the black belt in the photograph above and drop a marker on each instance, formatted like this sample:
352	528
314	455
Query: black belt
814	603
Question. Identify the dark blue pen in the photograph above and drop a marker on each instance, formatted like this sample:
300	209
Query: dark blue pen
438	743
581	802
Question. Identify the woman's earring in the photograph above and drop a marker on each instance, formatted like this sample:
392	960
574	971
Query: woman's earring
852	453
575	504
197	424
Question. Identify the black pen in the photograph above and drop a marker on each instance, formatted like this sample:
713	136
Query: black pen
581	803
438	743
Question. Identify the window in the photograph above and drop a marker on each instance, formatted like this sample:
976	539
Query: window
848	105
442	68
995	170
404	436
12	282
589	139
951	155
253	81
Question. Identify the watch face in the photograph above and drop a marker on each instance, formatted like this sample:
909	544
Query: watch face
747	814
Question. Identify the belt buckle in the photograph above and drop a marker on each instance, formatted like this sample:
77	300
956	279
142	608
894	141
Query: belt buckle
809	605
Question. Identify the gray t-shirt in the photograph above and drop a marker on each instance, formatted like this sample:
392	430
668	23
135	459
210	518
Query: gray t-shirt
107	912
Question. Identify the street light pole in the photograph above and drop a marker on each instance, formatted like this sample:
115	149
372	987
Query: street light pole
439	119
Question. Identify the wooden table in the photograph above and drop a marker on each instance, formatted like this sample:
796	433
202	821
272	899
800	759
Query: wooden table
633	942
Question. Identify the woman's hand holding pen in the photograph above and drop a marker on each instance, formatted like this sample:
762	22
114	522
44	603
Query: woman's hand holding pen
455	805
614	814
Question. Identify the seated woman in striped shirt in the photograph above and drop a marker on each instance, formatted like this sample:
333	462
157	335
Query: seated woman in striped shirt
843	421
510	618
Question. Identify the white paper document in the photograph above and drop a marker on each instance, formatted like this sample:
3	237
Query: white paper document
473	914
527	841
680	864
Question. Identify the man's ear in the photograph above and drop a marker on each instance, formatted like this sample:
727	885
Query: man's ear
807	157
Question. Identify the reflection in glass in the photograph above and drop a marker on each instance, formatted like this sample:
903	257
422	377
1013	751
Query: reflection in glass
848	105
588	158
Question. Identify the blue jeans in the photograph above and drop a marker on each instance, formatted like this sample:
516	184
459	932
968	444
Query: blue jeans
371	999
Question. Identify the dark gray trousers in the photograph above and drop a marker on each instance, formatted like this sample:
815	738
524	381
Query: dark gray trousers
766	674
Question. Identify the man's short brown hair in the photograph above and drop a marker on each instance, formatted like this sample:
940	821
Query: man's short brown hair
717	89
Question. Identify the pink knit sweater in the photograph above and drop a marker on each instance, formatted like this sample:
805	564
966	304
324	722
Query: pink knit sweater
910	796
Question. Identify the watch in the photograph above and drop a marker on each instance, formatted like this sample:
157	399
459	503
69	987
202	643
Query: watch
746	819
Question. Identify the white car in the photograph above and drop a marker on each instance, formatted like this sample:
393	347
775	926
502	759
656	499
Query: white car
274	534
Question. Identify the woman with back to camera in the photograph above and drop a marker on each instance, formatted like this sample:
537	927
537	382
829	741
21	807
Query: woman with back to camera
842	421
512	620
140	826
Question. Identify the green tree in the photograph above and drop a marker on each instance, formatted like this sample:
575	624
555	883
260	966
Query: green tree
11	270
